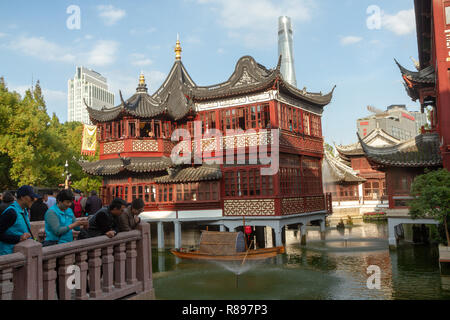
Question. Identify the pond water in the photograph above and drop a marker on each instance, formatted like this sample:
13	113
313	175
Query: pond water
335	268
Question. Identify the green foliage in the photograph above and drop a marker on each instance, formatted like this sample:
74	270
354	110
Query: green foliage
431	192
87	184
35	147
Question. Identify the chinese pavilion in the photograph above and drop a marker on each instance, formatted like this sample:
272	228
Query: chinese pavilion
136	147
430	86
374	188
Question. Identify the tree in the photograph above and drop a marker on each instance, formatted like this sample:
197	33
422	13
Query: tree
431	192
35	147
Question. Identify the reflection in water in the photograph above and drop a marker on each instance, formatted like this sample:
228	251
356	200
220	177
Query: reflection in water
319	270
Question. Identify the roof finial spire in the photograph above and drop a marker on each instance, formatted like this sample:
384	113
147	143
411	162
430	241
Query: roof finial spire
178	49
142	78
142	87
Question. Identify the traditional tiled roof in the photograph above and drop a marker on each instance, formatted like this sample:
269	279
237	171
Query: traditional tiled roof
421	151
414	80
171	99
426	75
177	94
191	174
334	171
356	149
114	166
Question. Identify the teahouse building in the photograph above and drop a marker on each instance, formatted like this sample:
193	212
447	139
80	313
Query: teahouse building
136	147
430	86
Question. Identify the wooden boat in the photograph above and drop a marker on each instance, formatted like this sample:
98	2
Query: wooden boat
258	254
226	246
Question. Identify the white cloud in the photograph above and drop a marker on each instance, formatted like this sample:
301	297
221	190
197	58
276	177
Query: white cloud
2	34
255	22
140	60
104	53
404	22
110	14
350	40
42	49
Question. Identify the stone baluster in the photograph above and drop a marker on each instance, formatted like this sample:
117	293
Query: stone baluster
108	269
28	279
95	263
131	262
65	292
119	266
144	258
6	285
49	276
81	293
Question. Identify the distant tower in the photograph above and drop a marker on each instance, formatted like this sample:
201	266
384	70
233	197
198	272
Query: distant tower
90	86
285	49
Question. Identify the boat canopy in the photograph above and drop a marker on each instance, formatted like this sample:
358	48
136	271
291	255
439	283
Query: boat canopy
221	243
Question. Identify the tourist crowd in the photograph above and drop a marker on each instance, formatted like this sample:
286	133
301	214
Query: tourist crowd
63	211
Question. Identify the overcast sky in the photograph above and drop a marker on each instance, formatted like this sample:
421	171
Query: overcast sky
336	42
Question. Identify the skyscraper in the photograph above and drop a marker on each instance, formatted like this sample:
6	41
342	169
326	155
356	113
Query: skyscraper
90	86
286	50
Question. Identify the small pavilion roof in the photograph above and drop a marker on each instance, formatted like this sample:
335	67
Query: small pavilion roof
339	172
191	174
356	149
115	166
421	151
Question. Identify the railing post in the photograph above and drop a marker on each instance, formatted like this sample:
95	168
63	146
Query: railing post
28	279
108	269
81	259
49	278
6	285
64	262
144	258
119	266
131	262
95	263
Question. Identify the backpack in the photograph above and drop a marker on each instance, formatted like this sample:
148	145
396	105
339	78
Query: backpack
77	209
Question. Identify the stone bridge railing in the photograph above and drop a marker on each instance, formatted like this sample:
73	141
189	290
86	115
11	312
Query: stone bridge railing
103	269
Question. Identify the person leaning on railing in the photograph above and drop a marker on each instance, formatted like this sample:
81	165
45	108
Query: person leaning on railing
104	221
15	221
60	220
129	220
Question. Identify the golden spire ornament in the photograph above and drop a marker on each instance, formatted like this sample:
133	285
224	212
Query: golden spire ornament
141	79
178	49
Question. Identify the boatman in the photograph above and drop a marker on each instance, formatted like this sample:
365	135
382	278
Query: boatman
15	221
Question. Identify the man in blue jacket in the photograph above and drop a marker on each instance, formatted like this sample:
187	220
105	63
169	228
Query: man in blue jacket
15	221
